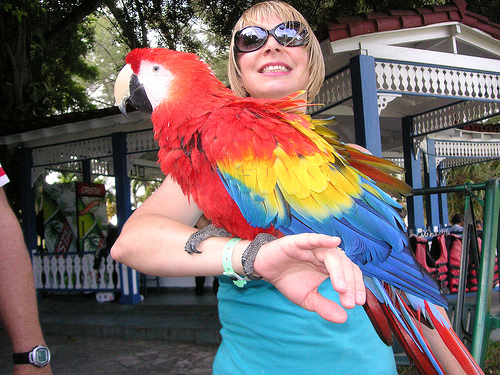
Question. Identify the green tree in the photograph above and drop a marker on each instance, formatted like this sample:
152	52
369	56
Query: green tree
472	173
42	49
111	46
108	55
44	43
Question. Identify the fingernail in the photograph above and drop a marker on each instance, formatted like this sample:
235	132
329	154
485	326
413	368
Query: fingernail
360	298
349	299
342	283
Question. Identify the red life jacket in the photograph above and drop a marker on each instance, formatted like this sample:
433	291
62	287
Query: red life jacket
434	260
442	261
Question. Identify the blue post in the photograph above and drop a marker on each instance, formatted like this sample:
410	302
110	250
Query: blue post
28	200
430	177
87	170
413	178
129	280
443	200
365	104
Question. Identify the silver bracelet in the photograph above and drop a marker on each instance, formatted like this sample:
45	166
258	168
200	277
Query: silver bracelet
250	253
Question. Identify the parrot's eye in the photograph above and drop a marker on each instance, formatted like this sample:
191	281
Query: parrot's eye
156	68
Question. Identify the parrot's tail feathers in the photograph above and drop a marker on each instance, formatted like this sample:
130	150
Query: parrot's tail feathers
404	328
376	312
452	341
406	316
388	326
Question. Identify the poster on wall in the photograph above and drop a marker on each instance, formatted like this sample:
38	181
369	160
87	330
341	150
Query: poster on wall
74	217
59	218
92	217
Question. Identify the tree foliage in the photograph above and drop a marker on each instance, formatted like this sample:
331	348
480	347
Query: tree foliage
473	174
45	43
42	50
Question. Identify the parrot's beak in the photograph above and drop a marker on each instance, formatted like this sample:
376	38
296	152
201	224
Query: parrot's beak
129	90
122	88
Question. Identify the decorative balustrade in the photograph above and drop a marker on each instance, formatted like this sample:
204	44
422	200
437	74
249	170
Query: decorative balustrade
460	149
71	272
437	81
141	141
336	88
72	151
400	162
458	162
69	156
453	115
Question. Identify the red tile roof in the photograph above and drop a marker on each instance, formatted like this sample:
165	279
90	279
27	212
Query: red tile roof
366	23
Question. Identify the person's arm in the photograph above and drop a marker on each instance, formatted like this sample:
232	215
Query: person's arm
441	351
18	305
152	241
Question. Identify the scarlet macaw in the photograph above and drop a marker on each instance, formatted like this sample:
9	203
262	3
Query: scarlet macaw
259	165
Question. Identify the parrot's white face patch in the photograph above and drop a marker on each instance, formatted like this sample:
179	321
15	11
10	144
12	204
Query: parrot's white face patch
157	81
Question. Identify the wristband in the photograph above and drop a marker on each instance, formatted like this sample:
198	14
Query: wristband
227	255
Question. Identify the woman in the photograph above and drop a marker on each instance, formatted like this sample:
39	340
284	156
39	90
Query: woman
283	323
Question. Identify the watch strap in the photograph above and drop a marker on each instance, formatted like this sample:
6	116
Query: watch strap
21	358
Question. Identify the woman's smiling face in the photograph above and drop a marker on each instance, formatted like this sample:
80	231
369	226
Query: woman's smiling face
274	71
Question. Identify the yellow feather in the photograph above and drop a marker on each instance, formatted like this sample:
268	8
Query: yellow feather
285	171
266	178
304	183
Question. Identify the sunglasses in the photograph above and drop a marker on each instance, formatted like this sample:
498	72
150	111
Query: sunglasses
288	34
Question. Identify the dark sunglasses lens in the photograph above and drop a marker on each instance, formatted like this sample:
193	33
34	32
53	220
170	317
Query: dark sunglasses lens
291	34
250	38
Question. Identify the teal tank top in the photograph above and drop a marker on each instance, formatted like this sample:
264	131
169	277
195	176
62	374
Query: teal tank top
264	333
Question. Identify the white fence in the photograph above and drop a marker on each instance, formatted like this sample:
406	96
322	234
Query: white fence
75	272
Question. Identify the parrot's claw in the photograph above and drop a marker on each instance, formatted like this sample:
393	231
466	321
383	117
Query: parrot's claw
209	231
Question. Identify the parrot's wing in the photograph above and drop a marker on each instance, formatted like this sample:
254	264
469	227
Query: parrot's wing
280	172
383	172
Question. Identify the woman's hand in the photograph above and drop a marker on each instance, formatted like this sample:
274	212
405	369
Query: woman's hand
297	265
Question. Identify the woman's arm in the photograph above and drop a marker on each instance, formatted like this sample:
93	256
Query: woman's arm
153	238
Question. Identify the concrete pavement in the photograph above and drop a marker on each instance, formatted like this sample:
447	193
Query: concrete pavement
87	355
171	332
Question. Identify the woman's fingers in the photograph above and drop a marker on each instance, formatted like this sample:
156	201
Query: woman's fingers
324	307
346	278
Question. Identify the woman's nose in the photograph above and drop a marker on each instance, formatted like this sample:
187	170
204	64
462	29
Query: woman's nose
271	45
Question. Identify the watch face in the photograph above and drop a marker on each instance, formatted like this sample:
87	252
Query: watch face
42	356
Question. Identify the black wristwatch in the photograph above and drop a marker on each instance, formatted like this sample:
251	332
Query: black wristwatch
39	357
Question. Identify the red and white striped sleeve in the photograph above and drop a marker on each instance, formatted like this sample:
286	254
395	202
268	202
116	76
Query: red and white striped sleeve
3	177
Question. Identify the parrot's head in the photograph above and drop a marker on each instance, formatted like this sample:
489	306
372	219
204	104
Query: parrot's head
153	76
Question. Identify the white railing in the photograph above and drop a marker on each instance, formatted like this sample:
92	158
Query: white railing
437	81
74	272
335	89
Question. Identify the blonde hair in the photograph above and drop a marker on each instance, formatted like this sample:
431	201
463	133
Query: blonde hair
286	13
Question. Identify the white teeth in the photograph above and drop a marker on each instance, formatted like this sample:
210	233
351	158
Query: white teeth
275	68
